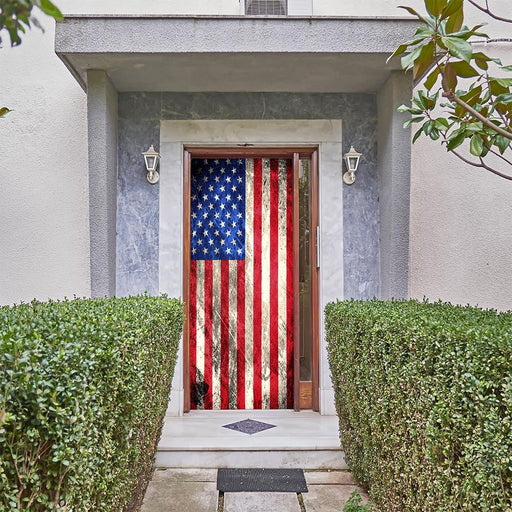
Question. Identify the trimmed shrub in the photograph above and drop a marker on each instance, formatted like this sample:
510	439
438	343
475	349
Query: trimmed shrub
84	386
424	397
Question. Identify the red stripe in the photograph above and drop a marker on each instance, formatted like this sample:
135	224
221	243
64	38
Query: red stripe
274	284
224	334
208	338
192	323
240	333
257	284
289	283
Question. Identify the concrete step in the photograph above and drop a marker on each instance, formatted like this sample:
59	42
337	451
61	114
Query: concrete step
199	439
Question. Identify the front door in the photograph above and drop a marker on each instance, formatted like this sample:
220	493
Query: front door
243	242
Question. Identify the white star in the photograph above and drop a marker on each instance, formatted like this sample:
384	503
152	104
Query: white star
205	250
216	215
210	170
233	170
216	161
194	215
233	241
228	215
239	179
228	179
233	224
216	179
239	197
222	242
210	188
205	215
199	242
216	197
194	233
228	160
239	215
205	179
228	232
216	232
205	197
200	188
228	198
210	206
194	197
210	242
193	178
222	188
222	206
193	250
240	161
216	250
222	171
233	206
233	188
205	233
210	224
222	223
205	161
199	224
239	251
239	233
199	206
228	251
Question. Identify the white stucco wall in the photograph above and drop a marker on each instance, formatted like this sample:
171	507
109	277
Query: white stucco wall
460	230
460	242
44	233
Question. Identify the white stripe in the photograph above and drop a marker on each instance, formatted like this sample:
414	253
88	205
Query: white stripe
233	294
249	283
265	285
200	326
282	292
216	324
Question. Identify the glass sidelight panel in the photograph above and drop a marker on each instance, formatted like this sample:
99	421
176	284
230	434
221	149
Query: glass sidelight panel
305	240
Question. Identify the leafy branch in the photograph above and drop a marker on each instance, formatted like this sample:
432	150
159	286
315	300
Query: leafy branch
480	101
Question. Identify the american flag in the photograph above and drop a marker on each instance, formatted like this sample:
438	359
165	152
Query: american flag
241	284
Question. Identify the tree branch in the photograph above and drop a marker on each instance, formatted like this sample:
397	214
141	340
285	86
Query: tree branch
482	165
453	97
489	12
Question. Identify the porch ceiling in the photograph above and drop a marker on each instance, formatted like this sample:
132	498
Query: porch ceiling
233	54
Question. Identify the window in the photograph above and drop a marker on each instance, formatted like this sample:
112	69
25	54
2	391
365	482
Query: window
266	7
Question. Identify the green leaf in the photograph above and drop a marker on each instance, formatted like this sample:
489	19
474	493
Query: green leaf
432	79
425	60
454	22
458	47
412	120
455	139
441	123
505	82
435	7
465	70
504	98
506	68
452	7
417	135
482	64
503	143
476	145
408	60
449	77
497	87
401	49
50	9
4	111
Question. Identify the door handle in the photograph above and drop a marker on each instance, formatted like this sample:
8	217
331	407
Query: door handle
318	247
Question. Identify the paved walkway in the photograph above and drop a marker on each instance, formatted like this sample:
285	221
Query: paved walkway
194	490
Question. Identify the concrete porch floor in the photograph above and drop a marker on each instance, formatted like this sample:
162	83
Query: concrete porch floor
195	490
303	440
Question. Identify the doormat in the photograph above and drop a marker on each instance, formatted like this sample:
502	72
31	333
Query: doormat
249	426
261	480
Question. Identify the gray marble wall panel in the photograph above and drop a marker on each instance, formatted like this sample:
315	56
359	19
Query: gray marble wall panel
139	126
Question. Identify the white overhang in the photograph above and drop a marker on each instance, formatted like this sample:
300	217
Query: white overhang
233	54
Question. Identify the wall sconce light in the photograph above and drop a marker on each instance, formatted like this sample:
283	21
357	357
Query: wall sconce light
151	158
352	162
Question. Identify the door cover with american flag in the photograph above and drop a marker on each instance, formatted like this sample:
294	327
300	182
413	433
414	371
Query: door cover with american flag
241	284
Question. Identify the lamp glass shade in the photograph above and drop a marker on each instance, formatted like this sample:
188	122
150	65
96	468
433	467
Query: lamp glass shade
151	159
150	162
352	159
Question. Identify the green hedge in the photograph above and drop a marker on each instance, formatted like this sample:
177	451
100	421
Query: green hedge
84	385
424	397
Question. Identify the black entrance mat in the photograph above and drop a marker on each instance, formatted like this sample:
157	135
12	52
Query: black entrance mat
261	480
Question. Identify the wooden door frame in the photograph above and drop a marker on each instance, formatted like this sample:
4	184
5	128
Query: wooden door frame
294	153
